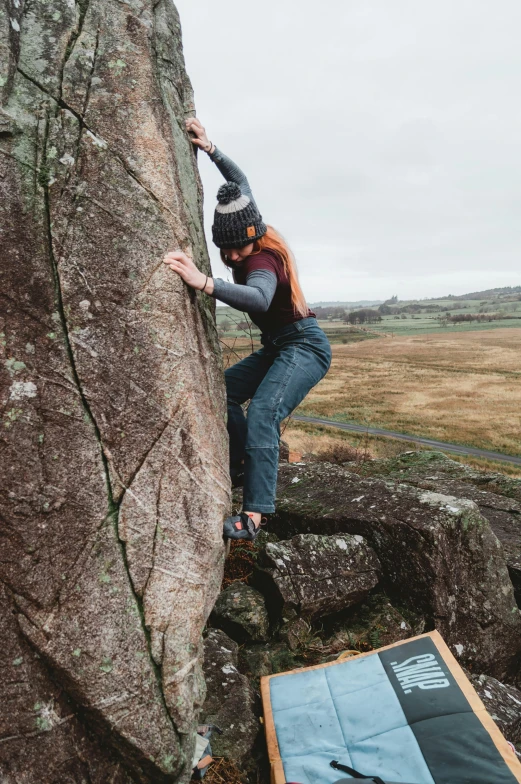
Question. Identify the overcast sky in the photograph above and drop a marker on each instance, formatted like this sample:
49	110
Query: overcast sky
381	137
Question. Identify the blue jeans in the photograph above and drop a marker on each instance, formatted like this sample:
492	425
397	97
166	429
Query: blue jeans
275	379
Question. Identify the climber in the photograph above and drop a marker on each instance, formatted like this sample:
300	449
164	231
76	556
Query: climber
295	353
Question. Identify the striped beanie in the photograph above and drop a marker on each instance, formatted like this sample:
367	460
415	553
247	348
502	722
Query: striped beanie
237	221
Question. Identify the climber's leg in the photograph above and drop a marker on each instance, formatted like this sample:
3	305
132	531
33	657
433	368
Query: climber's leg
302	360
242	381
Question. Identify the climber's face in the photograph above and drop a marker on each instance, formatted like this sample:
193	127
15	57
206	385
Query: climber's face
238	254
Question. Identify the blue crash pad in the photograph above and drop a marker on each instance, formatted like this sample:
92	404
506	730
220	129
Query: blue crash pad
406	713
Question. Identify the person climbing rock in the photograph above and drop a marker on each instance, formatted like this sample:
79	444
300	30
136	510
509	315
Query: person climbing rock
295	353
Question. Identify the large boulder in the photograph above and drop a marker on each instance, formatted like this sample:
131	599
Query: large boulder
438	554
497	496
313	576
113	425
241	611
230	700
419	465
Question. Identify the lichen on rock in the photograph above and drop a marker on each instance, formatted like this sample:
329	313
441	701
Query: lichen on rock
438	554
230	700
241	612
115	435
313	576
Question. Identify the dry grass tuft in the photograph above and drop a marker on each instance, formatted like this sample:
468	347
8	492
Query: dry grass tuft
339	452
239	564
223	771
328	444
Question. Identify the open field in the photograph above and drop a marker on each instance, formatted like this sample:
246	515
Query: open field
419	325
491	309
413	371
459	387
330	444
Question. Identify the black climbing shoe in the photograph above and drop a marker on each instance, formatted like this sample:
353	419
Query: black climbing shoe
240	527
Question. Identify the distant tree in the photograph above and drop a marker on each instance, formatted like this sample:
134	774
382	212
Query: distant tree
363	316
330	313
225	325
243	326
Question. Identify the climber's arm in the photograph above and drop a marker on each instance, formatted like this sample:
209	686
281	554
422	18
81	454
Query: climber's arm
255	297
229	170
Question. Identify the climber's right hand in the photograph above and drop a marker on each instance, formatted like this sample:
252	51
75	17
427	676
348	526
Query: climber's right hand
199	138
184	266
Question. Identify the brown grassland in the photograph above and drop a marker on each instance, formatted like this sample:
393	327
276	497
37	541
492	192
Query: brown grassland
461	388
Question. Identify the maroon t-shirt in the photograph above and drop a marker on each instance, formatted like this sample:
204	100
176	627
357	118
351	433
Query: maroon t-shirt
281	311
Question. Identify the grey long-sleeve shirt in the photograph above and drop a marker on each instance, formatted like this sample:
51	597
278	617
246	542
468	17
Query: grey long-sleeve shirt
257	294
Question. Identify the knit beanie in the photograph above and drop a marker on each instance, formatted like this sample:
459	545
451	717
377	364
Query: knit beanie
237	221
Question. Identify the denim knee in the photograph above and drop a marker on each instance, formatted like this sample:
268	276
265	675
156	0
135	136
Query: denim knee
262	426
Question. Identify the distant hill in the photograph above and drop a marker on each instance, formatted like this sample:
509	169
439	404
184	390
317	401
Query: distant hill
504	291
500	296
361	303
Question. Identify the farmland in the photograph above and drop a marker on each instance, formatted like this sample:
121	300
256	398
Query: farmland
416	373
463	388
484	311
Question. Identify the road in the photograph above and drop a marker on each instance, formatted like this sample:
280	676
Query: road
441	445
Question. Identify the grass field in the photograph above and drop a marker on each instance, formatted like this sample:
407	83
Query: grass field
460	387
430	315
415	372
338	446
418	325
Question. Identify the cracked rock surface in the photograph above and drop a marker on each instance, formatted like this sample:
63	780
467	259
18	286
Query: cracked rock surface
438	554
497	496
312	575
230	700
241	612
503	702
112	399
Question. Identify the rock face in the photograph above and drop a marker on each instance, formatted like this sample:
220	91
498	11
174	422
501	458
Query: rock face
497	496
312	576
374	624
240	610
438	555
113	407
230	699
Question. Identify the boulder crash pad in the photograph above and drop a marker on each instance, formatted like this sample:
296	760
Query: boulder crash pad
406	713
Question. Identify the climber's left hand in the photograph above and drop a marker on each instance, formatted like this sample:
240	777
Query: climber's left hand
184	266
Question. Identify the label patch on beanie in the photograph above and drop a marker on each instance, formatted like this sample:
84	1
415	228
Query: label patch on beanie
250	231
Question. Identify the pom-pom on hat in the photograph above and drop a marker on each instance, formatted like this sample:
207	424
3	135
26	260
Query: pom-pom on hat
237	221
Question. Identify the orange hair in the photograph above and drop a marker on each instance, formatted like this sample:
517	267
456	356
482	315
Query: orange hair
272	240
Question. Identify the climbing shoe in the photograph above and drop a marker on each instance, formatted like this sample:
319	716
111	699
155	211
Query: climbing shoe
240	526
